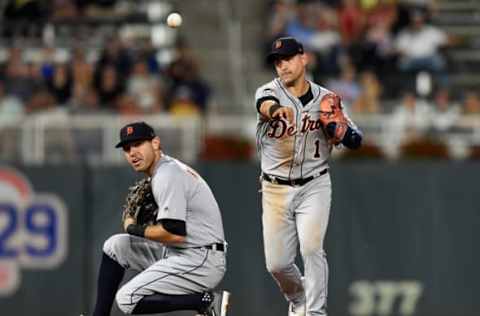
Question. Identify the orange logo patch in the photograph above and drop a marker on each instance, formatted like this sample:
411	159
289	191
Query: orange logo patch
129	130
278	44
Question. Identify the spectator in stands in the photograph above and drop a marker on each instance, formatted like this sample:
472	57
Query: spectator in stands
413	114
303	24
145	88
409	121
325	41
41	101
114	54
368	101
429	7
346	86
87	102
183	103
25	17
10	106
11	112
446	112
109	86
419	47
47	63
127	105
184	72
377	47
64	9
20	78
352	21
60	84
471	103
82	72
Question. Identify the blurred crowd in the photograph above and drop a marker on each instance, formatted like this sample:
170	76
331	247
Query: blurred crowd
382	57
367	50
382	36
372	51
41	10
125	78
123	75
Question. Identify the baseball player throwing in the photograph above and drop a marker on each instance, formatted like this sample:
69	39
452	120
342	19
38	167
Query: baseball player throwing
298	124
181	255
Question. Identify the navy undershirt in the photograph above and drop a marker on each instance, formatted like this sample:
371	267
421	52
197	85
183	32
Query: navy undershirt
307	97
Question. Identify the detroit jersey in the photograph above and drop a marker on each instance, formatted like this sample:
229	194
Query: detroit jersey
297	150
182	194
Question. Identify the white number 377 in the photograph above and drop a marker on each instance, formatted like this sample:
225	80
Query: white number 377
384	298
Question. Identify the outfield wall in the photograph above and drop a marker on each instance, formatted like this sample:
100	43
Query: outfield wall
401	239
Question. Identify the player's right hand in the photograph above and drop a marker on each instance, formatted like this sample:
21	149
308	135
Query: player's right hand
285	113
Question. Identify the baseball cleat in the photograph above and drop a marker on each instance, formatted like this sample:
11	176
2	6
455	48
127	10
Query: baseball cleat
219	304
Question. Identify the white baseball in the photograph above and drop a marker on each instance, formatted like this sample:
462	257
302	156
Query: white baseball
174	19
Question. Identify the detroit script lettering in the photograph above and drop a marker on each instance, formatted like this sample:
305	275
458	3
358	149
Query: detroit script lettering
280	128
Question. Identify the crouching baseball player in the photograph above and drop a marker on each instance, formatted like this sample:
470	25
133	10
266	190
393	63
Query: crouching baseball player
173	237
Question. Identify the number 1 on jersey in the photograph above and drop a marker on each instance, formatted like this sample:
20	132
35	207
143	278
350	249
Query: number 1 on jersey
317	149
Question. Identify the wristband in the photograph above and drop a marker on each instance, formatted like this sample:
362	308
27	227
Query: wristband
136	230
273	108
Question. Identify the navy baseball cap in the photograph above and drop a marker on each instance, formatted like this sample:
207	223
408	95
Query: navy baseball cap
134	132
285	46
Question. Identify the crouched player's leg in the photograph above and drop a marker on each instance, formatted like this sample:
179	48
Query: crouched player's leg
121	252
182	280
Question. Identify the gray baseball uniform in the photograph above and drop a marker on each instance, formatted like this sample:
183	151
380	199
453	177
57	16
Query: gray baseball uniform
296	195
190	267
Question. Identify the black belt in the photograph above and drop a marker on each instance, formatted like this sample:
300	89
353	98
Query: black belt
217	246
293	182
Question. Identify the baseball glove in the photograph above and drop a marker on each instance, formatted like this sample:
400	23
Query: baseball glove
333	120
140	203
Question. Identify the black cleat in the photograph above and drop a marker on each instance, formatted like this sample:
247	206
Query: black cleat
218	304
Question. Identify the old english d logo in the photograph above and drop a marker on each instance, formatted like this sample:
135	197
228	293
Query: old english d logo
129	130
278	44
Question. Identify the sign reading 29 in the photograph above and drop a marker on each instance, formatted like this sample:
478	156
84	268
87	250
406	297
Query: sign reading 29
34	233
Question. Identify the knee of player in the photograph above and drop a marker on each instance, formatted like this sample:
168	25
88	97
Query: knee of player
124	300
312	250
114	245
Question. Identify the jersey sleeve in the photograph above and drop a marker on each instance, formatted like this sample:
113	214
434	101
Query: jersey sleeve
264	93
170	194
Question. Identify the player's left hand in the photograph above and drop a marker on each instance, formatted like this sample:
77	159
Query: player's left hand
332	118
140	204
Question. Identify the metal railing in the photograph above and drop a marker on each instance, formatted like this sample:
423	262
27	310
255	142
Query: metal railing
59	137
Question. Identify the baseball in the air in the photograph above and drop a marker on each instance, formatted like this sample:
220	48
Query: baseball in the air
174	19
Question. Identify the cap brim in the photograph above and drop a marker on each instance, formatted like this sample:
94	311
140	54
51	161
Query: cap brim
127	141
273	56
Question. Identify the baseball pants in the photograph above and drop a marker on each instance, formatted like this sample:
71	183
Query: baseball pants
164	270
298	216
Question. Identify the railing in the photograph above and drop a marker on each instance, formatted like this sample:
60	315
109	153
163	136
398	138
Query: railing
60	137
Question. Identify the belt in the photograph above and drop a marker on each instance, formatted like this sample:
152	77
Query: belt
216	246
294	182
